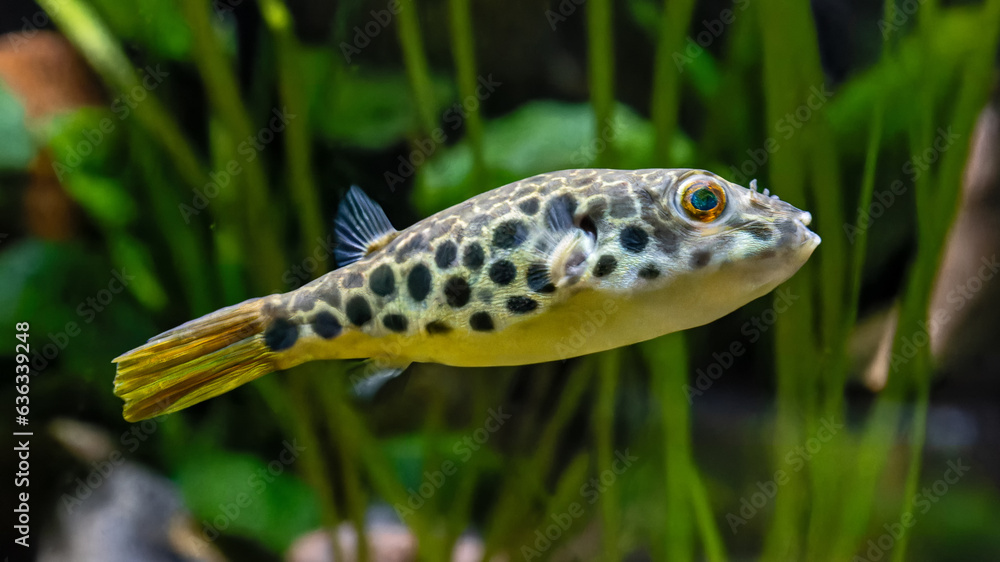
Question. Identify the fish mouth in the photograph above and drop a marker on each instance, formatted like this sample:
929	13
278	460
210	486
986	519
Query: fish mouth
807	237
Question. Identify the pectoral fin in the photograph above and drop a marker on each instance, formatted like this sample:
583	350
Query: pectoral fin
371	376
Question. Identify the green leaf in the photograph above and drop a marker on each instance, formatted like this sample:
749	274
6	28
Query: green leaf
84	139
239	494
157	25
134	258
371	110
103	198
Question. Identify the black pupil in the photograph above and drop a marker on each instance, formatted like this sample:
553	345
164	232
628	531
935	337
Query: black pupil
704	199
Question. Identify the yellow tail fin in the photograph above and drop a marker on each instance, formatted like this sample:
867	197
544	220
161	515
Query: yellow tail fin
194	361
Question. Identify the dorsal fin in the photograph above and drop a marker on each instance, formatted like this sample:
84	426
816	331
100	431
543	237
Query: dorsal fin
361	227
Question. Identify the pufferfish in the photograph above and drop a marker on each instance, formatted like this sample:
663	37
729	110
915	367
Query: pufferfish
500	279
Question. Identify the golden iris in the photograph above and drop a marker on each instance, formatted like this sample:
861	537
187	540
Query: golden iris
704	201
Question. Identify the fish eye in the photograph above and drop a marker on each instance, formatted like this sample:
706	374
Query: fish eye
703	200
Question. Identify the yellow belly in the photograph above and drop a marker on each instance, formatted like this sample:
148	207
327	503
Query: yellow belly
589	321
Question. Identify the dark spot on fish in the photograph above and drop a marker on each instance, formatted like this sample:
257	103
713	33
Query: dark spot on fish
473	257
622	207
605	265
395	322
354	280
634	239
477	225
457	292
359	312
281	335
446	255
326	325
437	327
272	307
538	278
560	215
509	234
789	230
521	305
649	272
700	259
304	301
415	243
651	212
382	281
596	207
330	295
503	272
529	206
759	231
524	190
481	322
418	282
666	240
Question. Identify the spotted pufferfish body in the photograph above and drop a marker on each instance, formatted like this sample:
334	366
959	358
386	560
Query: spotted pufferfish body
503	278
